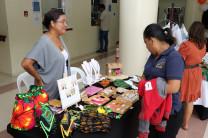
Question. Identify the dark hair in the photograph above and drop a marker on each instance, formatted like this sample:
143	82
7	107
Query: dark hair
102	6
197	34
51	15
163	35
117	42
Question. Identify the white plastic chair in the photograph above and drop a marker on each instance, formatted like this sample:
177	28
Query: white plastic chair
75	70
82	79
27	79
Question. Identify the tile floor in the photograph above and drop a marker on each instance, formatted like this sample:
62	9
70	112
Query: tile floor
8	89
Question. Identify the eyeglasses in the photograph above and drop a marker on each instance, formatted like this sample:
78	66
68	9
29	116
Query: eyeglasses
63	22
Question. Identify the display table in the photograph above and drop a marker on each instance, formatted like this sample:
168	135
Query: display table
126	127
201	105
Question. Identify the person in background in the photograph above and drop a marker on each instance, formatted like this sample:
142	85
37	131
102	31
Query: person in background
117	51
103	22
161	64
49	57
192	51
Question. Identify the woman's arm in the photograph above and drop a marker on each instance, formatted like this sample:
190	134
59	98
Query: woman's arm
173	86
27	64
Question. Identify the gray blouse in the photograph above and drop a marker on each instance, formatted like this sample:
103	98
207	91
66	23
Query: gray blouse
49	64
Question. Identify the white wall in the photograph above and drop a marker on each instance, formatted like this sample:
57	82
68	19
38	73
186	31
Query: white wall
5	58
48	4
84	38
23	33
192	13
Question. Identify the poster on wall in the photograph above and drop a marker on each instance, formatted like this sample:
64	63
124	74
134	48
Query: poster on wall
36	12
69	91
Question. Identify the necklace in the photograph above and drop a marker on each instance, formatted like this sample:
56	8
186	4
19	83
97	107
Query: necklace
60	47
88	71
95	68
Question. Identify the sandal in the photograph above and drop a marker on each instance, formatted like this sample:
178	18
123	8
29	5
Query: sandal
185	127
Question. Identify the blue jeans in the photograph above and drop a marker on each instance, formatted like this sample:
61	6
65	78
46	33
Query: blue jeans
103	35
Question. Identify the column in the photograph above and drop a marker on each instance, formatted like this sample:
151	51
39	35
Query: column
135	15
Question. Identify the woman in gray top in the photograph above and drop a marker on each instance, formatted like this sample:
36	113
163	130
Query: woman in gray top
49	58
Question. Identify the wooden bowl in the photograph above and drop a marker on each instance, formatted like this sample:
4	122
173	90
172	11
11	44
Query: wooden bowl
104	82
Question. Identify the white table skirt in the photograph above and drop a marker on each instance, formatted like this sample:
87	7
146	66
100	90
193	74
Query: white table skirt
204	95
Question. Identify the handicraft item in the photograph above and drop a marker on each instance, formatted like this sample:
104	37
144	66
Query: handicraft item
98	99
94	122
131	96
121	83
88	70
108	91
67	125
121	90
47	121
119	77
23	117
40	97
119	106
55	102
114	69
91	90
96	67
104	82
27	108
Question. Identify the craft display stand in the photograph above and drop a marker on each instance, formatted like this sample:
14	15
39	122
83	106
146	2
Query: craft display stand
88	70
96	67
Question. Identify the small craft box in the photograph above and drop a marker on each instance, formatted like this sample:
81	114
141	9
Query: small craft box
114	69
98	99
130	95
108	91
119	106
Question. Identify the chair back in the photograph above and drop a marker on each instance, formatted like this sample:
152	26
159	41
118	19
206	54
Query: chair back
27	79
75	70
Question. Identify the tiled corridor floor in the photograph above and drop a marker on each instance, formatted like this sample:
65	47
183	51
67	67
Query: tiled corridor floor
8	89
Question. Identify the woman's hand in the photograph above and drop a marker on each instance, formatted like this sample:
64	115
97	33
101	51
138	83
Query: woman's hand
135	83
39	82
27	64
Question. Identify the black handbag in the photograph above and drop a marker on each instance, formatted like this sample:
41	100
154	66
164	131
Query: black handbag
94	122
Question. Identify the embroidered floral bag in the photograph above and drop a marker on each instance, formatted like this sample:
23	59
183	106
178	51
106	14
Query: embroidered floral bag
40	97
23	112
